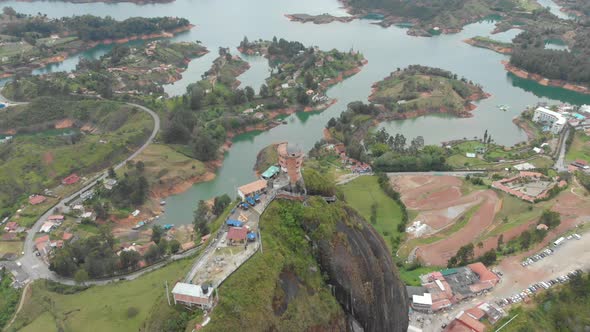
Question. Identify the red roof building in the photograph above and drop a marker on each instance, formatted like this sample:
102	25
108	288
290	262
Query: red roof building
43	244
237	235
484	274
37	199
475	313
71	179
67	236
56	217
11	226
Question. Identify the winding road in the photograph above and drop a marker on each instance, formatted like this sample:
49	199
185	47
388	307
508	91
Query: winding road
37	269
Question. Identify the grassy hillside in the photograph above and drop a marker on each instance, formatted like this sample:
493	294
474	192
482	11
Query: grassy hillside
99	134
564	309
362	194
123	306
418	89
279	289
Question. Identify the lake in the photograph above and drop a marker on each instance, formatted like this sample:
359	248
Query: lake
224	23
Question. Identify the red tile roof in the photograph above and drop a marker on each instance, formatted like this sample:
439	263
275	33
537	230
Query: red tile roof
36	199
483	272
42	239
11	226
71	179
237	233
473	324
475	313
67	236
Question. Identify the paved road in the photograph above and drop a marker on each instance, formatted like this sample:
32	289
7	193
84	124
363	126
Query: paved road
33	265
449	173
560	162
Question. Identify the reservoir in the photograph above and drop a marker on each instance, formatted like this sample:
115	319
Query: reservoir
224	23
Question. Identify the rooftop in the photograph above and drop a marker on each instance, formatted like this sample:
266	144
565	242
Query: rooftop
483	272
237	233
182	288
252	187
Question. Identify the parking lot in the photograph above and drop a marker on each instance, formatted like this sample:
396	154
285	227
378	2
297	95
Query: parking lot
549	251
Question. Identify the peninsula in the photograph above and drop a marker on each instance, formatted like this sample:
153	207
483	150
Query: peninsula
30	42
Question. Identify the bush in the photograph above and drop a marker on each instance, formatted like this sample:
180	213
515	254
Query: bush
132	312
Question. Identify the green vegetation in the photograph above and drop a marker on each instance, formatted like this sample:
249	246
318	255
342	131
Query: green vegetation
388	153
362	194
448	15
565	308
317	184
489	43
34	40
419	89
105	308
34	162
266	157
9	297
579	148
123	70
281	287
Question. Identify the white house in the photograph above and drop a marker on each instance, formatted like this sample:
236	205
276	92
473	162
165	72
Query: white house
554	120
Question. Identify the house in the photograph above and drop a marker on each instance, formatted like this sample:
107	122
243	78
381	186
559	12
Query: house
542	227
271	172
193	295
252	188
483	273
56	217
43	244
464	322
88	215
11	227
67	236
70	179
47	227
37	199
237	235
470	155
110	183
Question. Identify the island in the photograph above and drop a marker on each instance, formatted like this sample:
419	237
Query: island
30	42
319	19
419	90
491	44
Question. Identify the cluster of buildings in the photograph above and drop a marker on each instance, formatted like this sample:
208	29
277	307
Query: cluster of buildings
442	289
528	186
555	121
52	223
354	165
45	245
470	320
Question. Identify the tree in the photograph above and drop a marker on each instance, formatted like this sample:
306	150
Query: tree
81	276
525	239
157	232
500	241
220	203
9	11
174	246
152	254
112	173
489	257
249	92
140	166
550	218
201	218
129	259
264	92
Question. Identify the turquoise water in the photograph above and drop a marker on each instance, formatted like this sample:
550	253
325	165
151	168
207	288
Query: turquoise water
226	22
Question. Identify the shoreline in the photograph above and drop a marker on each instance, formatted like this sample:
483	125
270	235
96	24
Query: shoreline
489	46
521	73
137	2
62	56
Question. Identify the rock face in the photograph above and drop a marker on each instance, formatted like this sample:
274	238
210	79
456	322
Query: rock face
360	268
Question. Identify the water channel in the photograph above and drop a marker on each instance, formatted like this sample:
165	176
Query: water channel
224	23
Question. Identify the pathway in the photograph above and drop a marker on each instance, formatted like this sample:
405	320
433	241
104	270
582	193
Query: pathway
33	265
560	162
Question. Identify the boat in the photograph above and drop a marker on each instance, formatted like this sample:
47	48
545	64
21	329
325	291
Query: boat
162	202
168	226
139	225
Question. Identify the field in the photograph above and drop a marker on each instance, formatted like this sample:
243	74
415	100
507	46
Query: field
362	193
32	163
580	147
454	214
10	247
493	157
104	308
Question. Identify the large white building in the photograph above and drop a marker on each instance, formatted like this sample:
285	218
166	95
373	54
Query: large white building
554	120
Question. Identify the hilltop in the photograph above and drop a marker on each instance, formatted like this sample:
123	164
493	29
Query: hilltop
419	90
